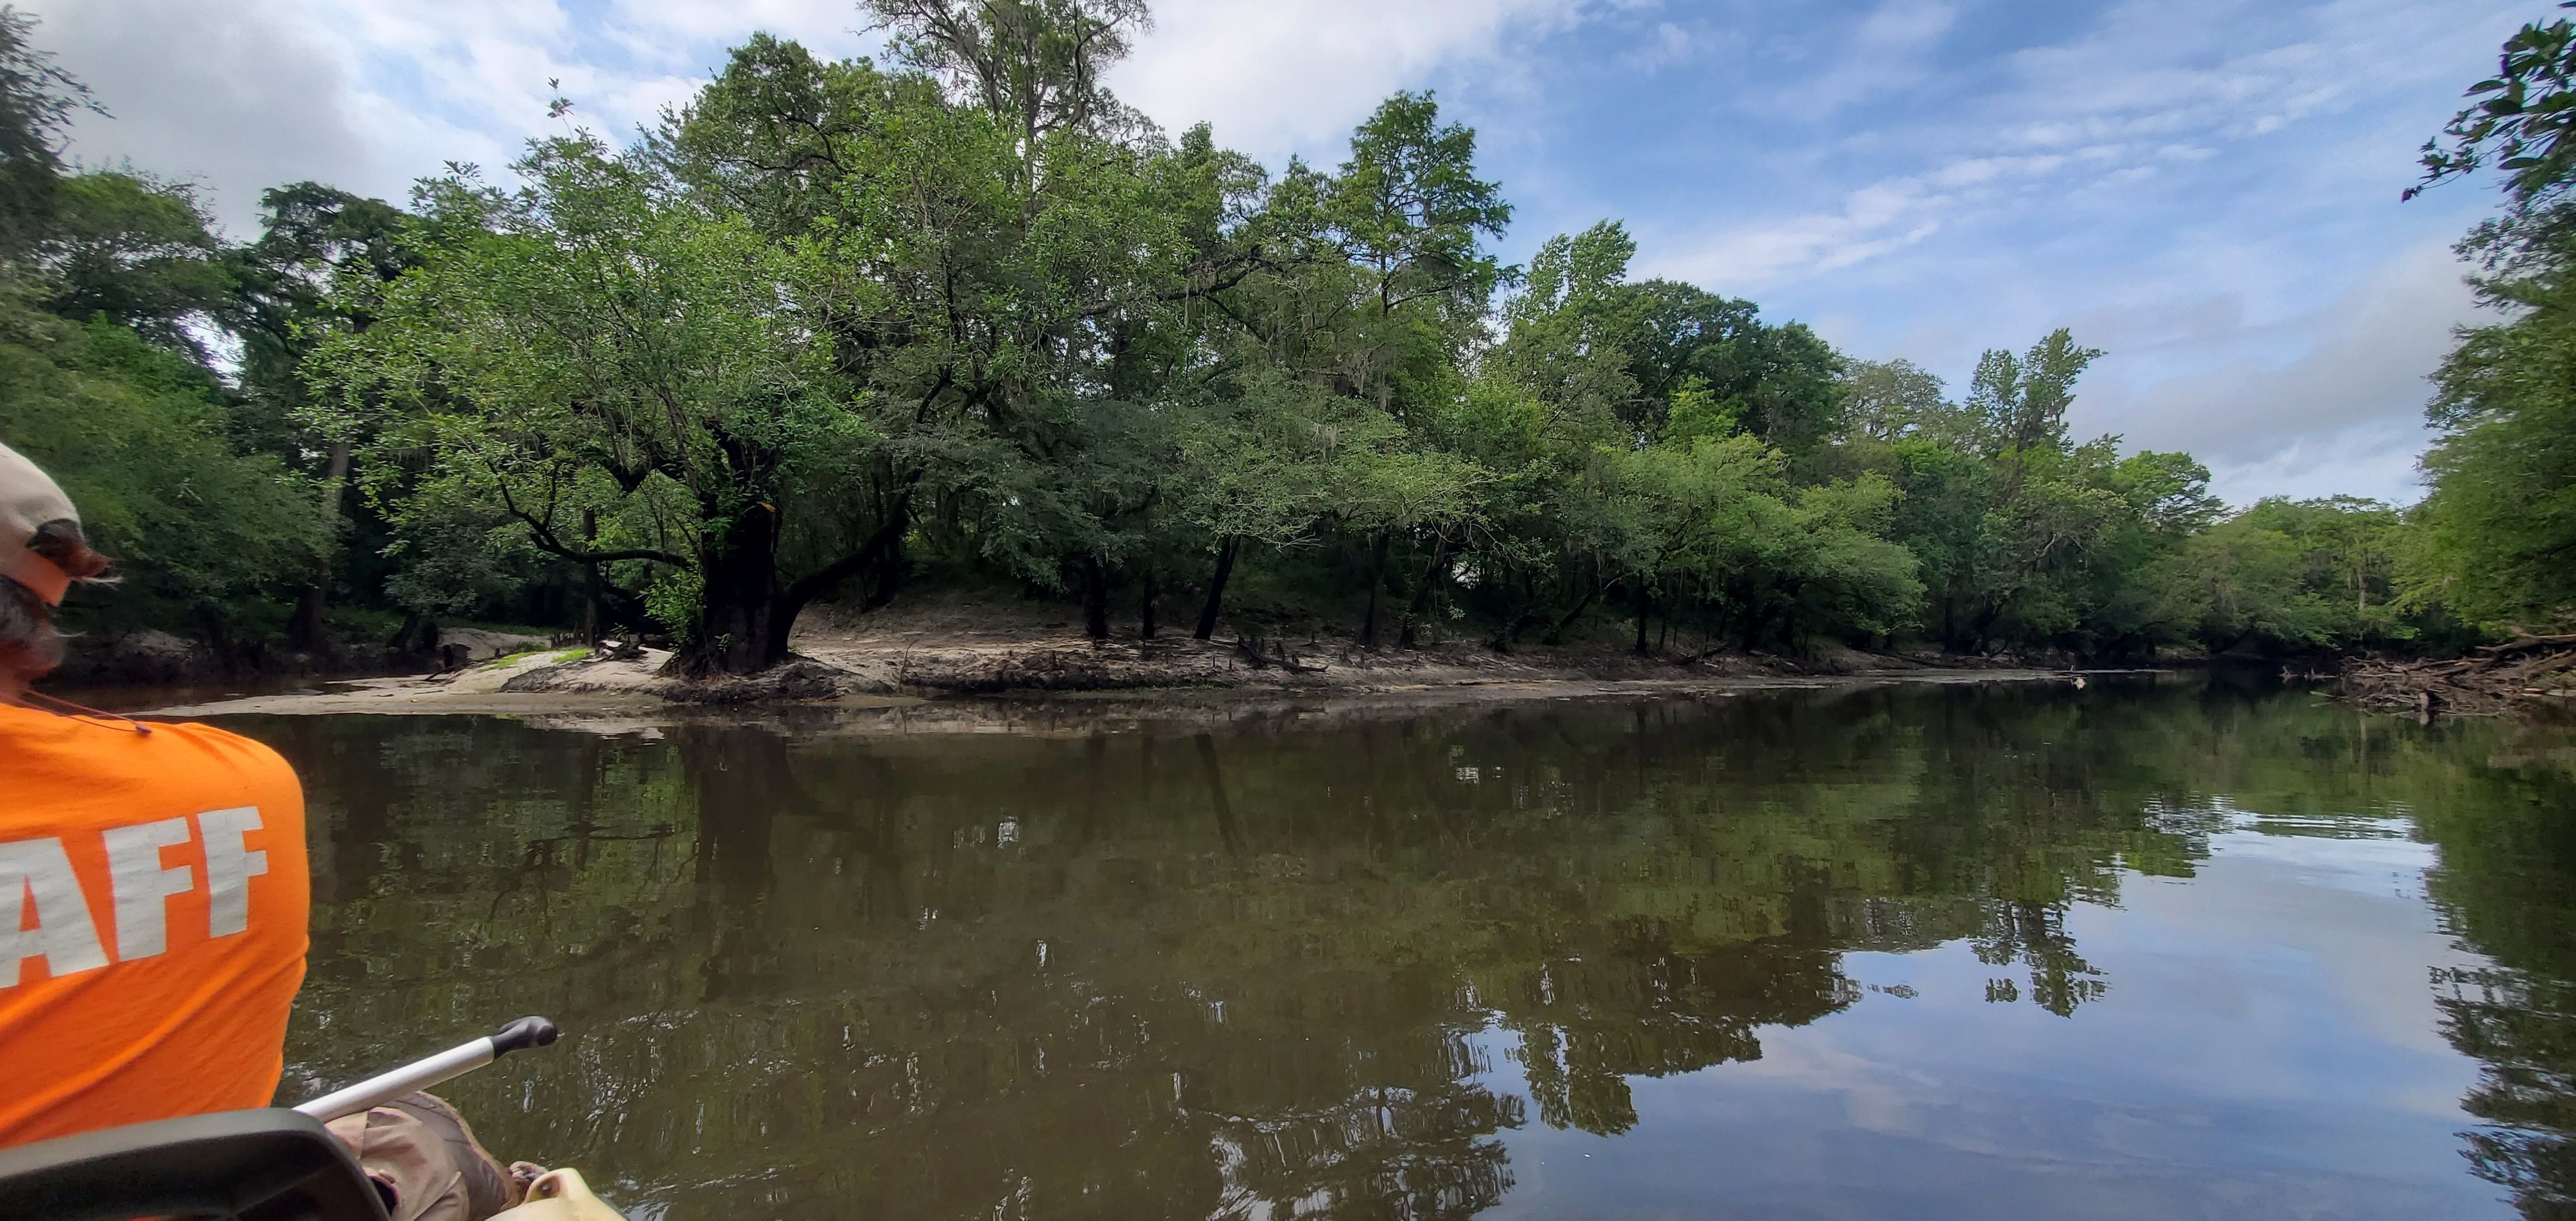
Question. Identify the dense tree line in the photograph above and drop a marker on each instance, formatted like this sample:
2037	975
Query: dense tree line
836	329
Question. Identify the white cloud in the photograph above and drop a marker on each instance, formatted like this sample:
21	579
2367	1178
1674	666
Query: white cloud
2344	414
1877	219
2106	110
1666	44
825	25
1890	48
1874	220
369	94
236	99
2205	189
2376	460
1277	78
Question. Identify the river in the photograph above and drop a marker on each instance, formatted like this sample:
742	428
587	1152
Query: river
2157	947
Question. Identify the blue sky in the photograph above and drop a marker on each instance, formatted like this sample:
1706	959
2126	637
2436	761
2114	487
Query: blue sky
2207	190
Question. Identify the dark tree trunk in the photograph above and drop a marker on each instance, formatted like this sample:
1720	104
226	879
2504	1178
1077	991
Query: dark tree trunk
304	630
590	582
1755	620
1377	577
887	539
1095	599
1215	605
418	634
739	629
889	573
1522	615
1145	609
1984	626
1644	600
1422	592
1556	635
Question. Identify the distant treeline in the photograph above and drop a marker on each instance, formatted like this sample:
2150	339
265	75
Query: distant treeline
833	330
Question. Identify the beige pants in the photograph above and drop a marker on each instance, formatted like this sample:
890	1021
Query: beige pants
426	1162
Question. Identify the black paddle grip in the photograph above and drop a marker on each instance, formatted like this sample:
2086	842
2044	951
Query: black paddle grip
526	1032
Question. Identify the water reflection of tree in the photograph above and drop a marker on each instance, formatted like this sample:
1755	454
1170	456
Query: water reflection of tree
2495	798
1117	975
2035	936
2498	801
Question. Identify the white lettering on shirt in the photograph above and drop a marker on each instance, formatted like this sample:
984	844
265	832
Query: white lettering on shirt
64	936
142	887
229	868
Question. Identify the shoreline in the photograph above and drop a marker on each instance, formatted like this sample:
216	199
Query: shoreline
1039	690
896	663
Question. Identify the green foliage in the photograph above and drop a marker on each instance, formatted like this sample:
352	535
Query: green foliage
2026	539
137	436
2491	540
37	99
1035	63
1409	208
2500	523
1887	400
282	302
135	252
586	345
2523	117
2020	405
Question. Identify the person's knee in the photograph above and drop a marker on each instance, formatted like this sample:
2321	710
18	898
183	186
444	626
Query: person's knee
425	1161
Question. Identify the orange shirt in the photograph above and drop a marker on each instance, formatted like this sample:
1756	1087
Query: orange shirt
152	909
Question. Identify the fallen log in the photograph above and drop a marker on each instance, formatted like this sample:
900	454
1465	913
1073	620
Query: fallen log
2524	644
2517	675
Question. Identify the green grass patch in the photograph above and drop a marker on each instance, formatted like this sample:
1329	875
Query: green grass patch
554	657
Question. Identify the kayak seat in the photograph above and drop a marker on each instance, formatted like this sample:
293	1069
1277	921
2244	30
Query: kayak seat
263	1165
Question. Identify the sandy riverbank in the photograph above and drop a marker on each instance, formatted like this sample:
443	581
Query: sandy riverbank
909	667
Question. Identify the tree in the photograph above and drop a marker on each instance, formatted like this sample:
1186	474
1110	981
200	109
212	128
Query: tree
1784	567
1410	214
2020	405
103	381
2500	520
592	343
2528	108
1036	64
2027	539
136	435
37	100
1885	401
282	305
2290	576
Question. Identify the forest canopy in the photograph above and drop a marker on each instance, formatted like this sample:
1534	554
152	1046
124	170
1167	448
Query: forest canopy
838	330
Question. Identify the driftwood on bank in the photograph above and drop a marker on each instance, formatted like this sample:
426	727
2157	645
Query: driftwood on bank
2520	675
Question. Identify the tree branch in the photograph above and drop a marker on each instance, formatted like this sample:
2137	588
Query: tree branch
812	585
544	537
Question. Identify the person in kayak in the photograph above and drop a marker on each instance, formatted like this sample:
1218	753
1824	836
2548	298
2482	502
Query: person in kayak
153	904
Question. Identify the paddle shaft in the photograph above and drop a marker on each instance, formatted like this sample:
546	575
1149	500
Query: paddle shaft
424	1073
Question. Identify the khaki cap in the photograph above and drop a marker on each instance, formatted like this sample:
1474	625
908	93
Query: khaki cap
29	500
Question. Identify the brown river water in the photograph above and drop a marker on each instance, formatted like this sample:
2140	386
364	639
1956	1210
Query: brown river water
2157	947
